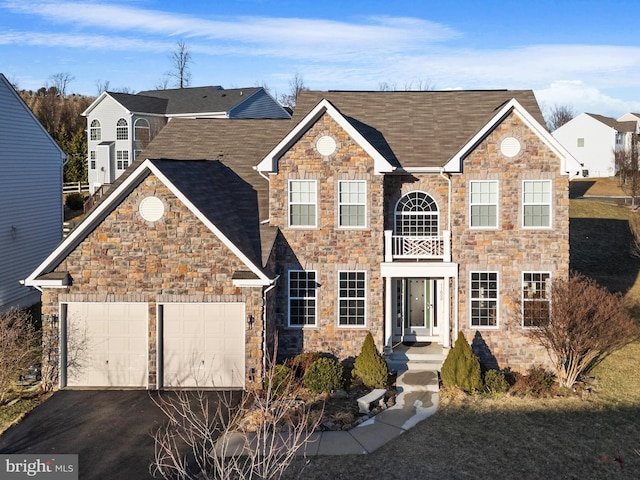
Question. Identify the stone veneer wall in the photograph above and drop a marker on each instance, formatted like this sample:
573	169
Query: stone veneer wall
327	248
510	250
176	259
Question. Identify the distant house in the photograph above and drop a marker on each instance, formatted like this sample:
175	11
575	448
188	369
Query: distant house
412	215
592	139
31	215
121	125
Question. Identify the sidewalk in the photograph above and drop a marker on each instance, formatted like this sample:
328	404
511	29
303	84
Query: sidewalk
417	399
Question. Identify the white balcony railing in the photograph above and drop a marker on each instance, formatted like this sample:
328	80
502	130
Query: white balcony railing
408	247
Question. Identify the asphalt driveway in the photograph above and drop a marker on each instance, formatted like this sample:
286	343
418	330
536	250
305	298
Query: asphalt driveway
111	431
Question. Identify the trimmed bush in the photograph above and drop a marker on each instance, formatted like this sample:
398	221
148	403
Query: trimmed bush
538	382
324	375
495	382
369	365
301	362
461	368
280	378
75	201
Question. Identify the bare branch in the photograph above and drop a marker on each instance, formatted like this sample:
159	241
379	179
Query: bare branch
558	115
18	347
180	62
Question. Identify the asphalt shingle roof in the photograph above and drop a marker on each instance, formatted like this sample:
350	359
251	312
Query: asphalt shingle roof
200	99
628	126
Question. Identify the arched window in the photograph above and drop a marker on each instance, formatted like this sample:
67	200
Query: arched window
95	132
142	132
122	130
417	215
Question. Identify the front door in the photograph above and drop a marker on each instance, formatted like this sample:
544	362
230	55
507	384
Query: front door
416	309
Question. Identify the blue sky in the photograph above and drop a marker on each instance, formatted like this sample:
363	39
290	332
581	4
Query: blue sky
585	54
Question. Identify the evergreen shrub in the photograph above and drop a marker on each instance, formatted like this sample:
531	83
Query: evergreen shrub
280	378
495	382
461	368
74	201
324	375
369	365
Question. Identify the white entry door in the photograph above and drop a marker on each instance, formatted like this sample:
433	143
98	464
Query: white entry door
105	344
203	345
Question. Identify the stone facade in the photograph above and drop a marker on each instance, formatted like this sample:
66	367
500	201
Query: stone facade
176	259
328	249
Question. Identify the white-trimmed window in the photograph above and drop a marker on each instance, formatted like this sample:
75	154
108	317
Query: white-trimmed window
536	203
92	159
484	299
122	159
142	132
302	298
95	131
483	204
122	130
580	142
417	215
536	298
352	203
352	298
303	203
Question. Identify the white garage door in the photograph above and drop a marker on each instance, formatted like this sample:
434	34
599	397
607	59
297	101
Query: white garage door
106	345
203	345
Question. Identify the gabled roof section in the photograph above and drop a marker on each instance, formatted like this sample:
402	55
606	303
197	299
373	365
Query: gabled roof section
381	163
625	126
210	190
201	100
29	113
418	129
568	162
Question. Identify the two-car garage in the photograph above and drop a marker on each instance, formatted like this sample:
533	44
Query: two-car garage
107	345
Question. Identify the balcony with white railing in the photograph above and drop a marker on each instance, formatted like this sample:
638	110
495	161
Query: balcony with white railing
412	247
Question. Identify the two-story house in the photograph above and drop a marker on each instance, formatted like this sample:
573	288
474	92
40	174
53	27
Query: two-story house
413	215
593	140
31	215
121	125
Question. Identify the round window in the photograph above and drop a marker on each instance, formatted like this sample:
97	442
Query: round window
151	209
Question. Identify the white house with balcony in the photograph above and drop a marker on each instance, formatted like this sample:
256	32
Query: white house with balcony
121	125
593	140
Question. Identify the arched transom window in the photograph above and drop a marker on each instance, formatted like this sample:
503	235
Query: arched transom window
141	132
417	215
122	130
95	132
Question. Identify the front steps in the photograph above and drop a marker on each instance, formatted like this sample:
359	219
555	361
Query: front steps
419	356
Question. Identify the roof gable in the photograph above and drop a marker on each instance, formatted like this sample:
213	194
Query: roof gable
270	162
187	185
568	162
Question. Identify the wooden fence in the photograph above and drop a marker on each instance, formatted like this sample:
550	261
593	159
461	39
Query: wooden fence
70	187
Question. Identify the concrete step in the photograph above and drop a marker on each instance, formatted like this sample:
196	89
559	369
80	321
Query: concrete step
415	365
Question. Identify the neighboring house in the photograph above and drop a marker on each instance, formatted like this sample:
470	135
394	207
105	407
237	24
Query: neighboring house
413	215
594	139
121	125
30	194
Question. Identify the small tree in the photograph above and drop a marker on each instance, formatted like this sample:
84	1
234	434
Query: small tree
586	323
253	434
461	368
369	365
558	115
18	347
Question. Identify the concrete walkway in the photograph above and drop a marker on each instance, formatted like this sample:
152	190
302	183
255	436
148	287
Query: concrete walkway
417	399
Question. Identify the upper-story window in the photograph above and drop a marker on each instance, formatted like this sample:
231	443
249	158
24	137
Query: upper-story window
536	203
417	215
92	159
95	131
580	142
352	202
122	159
122	130
303	203
483	204
142	132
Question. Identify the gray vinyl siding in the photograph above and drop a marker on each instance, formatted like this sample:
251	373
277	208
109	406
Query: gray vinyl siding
30	197
259	105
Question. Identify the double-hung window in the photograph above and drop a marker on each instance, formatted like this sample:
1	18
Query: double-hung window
536	203
95	130
122	130
483	204
536	298
122	159
302	298
303	203
484	299
92	159
351	298
352	201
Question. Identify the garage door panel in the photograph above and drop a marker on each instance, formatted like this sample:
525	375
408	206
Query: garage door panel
107	344
203	345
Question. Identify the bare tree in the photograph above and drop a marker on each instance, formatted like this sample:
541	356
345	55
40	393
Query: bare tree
180	62
18	347
627	166
558	115
102	86
61	81
163	83
585	324
421	85
296	86
253	434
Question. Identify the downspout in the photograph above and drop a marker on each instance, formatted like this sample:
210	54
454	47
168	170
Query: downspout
264	323
456	293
